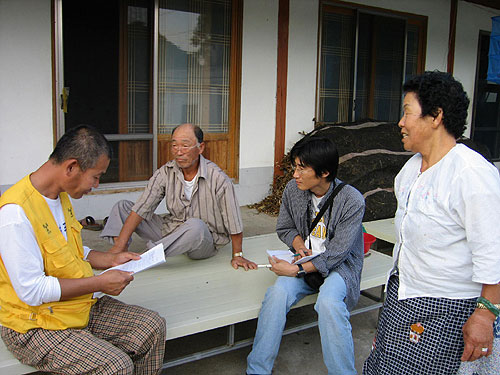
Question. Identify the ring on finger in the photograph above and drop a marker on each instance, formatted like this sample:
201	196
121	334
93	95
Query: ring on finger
484	350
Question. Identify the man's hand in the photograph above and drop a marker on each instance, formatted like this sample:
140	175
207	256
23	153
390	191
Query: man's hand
282	267
478	334
121	242
239	261
100	260
113	282
301	252
242	262
118	248
120	258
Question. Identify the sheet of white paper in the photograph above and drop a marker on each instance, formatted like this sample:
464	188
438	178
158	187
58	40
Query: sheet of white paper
288	256
150	258
281	254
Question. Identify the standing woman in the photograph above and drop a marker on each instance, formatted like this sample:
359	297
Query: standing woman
441	294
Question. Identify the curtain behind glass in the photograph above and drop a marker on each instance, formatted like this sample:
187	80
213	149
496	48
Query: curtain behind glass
412	51
335	93
193	64
379	70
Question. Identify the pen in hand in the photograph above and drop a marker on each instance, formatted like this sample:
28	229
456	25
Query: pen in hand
264	266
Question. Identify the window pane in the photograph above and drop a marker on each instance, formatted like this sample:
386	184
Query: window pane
490	139
389	44
380	62
412	51
362	109
335	93
139	66
380	67
193	64
486	121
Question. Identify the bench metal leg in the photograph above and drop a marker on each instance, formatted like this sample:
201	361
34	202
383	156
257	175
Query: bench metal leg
230	345
233	345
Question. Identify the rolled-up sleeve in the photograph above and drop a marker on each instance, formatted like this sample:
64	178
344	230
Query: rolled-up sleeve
152	196
230	209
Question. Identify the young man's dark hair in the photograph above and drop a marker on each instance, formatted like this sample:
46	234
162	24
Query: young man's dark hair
436	90
83	143
319	153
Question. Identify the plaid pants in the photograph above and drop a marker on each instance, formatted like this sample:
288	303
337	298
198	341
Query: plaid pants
119	339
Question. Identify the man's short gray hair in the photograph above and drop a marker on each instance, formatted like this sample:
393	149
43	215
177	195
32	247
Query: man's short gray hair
83	143
198	133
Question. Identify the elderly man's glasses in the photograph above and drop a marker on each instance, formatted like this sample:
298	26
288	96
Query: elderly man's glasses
183	148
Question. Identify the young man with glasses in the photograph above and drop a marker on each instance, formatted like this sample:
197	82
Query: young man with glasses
203	211
314	217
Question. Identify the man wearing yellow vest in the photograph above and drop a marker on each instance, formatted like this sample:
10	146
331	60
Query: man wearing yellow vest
50	319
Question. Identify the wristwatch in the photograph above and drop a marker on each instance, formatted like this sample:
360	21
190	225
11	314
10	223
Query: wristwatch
301	272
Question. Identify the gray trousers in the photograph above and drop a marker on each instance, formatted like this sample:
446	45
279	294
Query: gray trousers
192	238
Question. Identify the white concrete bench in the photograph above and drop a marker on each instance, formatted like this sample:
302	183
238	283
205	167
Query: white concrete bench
196	296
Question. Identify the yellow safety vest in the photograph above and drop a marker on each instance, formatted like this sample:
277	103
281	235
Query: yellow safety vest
61	259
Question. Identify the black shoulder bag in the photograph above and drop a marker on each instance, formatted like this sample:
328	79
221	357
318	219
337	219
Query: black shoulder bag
316	279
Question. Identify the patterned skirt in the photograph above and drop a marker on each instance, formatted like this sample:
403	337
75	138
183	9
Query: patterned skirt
418	336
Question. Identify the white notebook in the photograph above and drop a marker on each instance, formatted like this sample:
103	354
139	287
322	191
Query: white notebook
151	258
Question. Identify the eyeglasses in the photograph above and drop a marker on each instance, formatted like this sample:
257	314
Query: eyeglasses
301	169
182	148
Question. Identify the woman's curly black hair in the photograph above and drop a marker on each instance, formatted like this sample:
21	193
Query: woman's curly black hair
438	90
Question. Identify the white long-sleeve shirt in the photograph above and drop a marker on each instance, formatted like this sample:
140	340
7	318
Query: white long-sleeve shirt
22	257
447	226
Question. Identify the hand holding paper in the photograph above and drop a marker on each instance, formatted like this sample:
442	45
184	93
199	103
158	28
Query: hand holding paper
288	256
150	258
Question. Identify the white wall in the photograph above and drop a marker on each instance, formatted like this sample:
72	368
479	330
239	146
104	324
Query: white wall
25	87
302	62
258	83
470	19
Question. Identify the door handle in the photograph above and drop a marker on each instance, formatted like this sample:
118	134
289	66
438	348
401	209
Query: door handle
64	99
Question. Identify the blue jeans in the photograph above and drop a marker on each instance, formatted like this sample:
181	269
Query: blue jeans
333	322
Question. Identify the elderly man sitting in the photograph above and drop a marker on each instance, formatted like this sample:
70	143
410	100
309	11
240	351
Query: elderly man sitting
203	211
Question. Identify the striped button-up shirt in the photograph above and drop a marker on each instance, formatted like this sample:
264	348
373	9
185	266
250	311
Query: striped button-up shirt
213	200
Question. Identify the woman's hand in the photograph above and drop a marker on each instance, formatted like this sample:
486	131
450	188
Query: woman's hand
478	334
